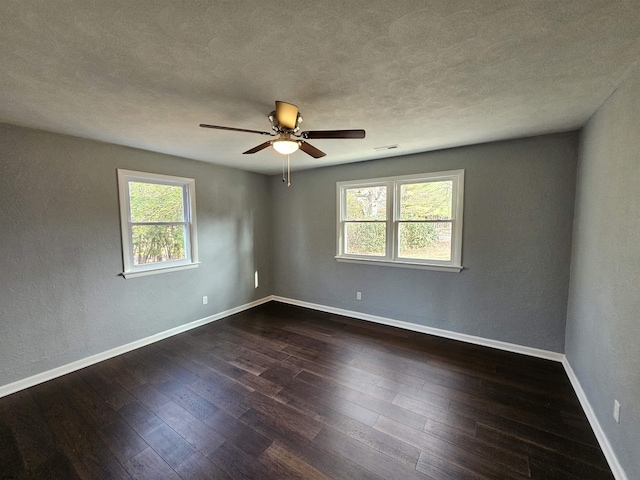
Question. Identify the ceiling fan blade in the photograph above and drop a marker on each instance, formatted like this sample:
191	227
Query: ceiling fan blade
262	146
286	114
333	134
311	150
204	125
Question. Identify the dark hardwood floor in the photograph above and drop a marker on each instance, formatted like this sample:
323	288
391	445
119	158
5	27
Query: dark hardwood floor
286	392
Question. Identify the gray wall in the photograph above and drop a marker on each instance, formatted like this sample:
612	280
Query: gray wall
61	298
603	320
519	198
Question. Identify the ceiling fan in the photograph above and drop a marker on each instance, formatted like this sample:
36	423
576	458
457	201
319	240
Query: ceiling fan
285	122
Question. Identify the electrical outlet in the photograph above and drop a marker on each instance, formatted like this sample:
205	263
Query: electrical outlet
358	295
205	300
616	411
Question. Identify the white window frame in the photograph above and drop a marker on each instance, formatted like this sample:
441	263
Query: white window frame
189	208
393	185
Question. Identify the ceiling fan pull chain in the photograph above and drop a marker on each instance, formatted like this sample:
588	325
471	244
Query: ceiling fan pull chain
283	179
288	170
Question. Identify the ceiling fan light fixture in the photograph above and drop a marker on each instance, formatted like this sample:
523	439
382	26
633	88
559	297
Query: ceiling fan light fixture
285	147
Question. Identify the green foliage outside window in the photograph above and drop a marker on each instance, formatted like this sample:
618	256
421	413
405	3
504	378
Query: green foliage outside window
418	202
426	201
151	202
415	236
423	201
366	238
369	206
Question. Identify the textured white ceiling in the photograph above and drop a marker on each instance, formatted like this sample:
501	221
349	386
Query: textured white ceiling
421	74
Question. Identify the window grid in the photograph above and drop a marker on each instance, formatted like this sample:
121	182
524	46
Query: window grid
189	257
394	221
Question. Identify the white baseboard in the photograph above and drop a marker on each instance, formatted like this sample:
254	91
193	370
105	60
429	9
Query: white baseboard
485	342
99	357
609	454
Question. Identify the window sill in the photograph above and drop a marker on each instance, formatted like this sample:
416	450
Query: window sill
402	264
154	271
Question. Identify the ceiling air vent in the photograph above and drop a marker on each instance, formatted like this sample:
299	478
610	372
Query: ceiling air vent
386	147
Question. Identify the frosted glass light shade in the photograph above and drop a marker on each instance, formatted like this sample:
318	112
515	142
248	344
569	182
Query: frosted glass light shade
285	147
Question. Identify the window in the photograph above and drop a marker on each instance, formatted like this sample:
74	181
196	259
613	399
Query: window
409	221
158	223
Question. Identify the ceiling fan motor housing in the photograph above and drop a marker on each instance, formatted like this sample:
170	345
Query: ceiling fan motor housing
276	127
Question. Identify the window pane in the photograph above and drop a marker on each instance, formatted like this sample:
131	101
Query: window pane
158	243
426	241
365	238
368	203
152	202
426	201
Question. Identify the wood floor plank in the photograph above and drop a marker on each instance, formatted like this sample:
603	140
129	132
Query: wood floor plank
436	412
390	446
318	400
285	417
421	401
114	394
451	452
78	440
148	371
330	464
419	366
281	391
195	432
537	443
232	401
117	369
33	442
365	456
385	372
156	357
192	361
149	395
139	418
238	434
281	374
187	399
122	440
559	400
513	460
345	375
234	338
214	363
148	465
405	416
198	467
547	464
255	336
484	410
284	464
260	383
437	468
239	465
169	445
11	461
